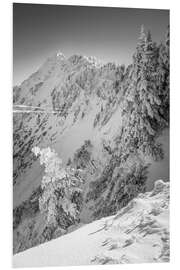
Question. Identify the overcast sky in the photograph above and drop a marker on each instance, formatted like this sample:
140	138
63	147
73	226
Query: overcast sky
110	34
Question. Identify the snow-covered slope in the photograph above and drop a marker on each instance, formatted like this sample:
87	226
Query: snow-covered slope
60	104
138	233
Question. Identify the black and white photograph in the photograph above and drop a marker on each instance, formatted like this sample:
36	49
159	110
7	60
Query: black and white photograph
91	125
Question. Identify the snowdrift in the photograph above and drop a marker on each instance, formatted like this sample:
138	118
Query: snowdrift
138	233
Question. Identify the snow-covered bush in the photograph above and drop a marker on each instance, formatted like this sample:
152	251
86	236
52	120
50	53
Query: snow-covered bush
59	184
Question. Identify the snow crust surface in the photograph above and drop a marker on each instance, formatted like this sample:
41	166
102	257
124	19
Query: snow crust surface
138	233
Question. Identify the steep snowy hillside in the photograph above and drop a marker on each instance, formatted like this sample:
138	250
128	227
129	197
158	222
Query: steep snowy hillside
66	98
138	233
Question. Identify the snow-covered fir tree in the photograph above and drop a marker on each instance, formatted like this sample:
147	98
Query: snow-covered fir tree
143	121
58	185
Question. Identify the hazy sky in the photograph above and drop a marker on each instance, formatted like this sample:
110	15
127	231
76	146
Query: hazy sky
110	34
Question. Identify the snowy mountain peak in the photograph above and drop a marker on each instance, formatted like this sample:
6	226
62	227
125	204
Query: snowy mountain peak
60	54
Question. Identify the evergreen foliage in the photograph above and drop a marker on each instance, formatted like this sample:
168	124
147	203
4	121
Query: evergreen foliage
118	185
145	115
146	108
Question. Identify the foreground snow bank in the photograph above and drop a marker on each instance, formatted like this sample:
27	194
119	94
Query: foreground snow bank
138	233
